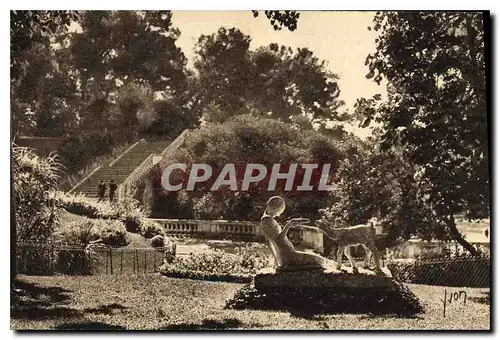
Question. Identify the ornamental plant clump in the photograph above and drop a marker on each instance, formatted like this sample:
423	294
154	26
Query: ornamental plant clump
111	232
126	209
158	241
219	263
150	229
34	180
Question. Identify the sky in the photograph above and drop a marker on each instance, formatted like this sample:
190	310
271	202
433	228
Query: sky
340	38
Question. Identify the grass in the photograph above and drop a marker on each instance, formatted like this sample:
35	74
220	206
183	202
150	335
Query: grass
160	303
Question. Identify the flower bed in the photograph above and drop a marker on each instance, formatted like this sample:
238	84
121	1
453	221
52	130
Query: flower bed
200	275
217	266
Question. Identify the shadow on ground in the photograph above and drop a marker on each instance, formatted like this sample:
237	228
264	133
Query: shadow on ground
88	326
105	309
33	291
208	324
485	299
310	304
33	302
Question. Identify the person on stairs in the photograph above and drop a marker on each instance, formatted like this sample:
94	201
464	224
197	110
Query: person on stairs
101	190
112	190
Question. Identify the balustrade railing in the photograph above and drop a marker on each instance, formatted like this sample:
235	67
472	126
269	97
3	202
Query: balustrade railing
143	169
209	227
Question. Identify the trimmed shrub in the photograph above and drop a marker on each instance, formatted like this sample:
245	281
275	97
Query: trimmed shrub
219	265
86	206
76	261
111	232
150	229
158	241
401	302
131	214
132	225
402	271
199	275
127	210
79	258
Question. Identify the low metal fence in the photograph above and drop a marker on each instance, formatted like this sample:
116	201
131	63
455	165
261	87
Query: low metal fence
51	258
463	271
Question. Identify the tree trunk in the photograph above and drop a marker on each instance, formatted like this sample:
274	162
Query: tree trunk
455	234
13	233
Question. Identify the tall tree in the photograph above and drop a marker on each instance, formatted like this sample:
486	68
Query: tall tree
287	84
273	81
434	64
129	45
29	27
379	183
135	50
278	19
40	86
240	141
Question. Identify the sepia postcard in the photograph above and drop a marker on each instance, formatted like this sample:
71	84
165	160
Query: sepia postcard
250	170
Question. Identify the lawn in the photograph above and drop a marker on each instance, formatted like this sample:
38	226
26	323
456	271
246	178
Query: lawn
160	303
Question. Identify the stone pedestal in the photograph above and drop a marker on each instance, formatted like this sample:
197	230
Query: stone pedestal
331	278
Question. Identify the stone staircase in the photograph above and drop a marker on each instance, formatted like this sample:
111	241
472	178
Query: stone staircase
121	167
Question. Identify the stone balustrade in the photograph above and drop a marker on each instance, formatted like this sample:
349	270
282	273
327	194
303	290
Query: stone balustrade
237	230
207	227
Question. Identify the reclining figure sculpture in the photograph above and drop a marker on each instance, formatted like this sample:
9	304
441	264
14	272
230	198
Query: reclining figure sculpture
287	258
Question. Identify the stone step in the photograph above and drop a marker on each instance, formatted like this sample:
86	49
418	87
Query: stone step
123	167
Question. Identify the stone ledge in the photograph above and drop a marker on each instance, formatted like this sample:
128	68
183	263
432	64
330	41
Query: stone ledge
330	278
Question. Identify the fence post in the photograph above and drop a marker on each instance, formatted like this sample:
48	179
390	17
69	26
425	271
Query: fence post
137	260
52	259
134	261
23	259
107	263
154	261
145	260
111	260
121	262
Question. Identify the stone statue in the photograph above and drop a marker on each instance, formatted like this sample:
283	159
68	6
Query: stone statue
363	234
302	270
287	258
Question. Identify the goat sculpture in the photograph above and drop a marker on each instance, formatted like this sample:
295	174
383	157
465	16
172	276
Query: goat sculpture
362	234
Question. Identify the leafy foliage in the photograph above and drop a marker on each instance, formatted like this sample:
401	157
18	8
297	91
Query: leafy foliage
84	206
243	140
101	85
34	180
126	209
80	150
110	232
375	183
150	229
158	241
436	106
80	258
273	81
278	19
29	27
310	302
219	263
